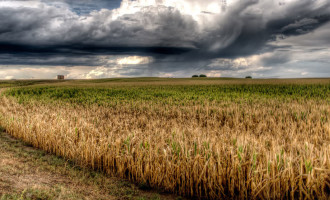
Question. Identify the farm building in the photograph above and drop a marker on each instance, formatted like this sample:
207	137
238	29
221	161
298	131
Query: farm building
60	77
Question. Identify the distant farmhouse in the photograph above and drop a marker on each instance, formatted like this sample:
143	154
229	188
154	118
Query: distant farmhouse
60	77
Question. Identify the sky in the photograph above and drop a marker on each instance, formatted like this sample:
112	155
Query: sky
90	39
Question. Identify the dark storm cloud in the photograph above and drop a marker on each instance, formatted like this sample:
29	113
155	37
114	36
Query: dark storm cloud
52	31
83	7
54	35
51	60
250	30
85	49
277	58
302	17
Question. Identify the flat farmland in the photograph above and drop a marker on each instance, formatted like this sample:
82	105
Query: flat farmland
199	138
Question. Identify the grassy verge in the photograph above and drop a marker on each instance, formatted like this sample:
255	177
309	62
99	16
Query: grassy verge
28	173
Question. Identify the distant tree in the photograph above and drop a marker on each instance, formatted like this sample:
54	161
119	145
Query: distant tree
195	76
249	77
202	76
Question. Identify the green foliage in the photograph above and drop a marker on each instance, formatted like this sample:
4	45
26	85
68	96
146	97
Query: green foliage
19	83
195	76
202	76
36	194
239	153
254	161
176	148
127	143
308	166
172	94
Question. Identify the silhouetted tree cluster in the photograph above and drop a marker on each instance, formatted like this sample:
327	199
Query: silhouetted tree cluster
201	76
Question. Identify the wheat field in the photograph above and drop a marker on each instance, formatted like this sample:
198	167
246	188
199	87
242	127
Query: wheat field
207	139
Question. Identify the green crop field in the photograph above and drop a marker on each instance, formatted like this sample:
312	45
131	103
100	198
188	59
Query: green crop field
205	138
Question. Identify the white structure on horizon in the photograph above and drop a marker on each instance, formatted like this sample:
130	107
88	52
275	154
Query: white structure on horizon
223	5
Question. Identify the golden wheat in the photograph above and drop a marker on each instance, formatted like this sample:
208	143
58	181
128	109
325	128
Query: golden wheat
257	150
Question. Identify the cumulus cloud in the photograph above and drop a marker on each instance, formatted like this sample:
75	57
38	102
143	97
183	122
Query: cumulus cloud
174	36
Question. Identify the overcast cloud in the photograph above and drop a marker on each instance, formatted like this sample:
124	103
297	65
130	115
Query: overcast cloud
176	38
